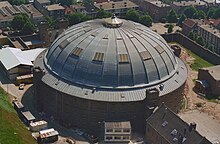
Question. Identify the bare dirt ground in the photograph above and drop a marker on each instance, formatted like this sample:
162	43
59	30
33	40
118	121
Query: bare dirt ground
211	108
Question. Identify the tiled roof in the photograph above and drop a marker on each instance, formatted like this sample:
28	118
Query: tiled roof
172	128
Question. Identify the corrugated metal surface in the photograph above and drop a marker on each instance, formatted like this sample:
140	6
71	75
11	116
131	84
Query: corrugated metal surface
129	56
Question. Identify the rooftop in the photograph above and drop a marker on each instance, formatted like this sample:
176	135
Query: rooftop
54	7
4	4
116	5
189	3
159	4
7	13
28	115
211	30
43	1
18	57
113	125
214	71
172	128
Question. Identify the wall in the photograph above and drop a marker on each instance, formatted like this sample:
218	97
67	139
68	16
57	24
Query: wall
193	46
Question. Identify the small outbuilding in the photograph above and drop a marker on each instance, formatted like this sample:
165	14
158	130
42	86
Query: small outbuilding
212	76
117	131
15	62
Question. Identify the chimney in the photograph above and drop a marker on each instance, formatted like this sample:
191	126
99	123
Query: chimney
125	4
192	126
113	5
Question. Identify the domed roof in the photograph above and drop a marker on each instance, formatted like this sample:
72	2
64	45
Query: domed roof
128	56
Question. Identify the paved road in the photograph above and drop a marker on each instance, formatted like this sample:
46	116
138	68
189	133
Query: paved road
206	125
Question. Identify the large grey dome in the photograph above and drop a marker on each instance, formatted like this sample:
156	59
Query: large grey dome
95	55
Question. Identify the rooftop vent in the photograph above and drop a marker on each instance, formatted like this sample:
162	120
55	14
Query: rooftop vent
112	22
164	123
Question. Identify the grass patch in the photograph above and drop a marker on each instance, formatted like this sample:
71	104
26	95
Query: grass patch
199	62
12	130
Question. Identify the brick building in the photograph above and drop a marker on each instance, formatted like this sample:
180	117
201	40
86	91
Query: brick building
8	12
212	76
119	8
156	9
165	127
180	6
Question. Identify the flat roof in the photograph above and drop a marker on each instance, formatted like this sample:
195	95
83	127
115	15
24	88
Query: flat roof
214	71
28	115
113	125
211	29
117	5
54	7
159	4
18	104
189	3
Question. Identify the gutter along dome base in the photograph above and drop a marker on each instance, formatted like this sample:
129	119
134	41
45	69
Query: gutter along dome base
107	70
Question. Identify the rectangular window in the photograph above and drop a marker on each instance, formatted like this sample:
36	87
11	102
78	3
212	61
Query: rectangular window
117	137
126	130
125	137
108	137
109	130
117	130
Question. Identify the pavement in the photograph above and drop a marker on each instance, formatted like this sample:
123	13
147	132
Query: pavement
206	124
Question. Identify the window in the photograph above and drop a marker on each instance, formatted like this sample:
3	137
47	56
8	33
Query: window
118	130
117	137
126	130
108	137
109	130
125	137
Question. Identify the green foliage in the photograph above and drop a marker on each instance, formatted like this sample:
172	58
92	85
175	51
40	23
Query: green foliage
192	35
12	130
19	21
146	20
171	17
103	14
218	26
170	28
18	2
50	21
198	62
189	11
199	15
181	19
200	41
77	18
213	13
133	15
23	24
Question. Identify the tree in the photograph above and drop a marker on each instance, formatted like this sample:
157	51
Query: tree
77	18
170	28
50	21
216	14
19	21
191	35
199	14
133	15
66	2
189	11
171	16
146	20
181	19
18	2
200	41
210	13
103	14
